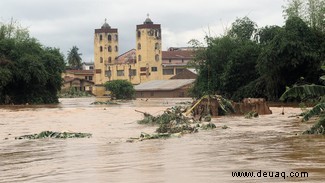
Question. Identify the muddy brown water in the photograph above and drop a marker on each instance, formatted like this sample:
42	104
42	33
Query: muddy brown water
270	143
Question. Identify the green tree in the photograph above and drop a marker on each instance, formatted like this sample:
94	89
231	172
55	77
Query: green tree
243	29
120	89
293	53
74	58
29	72
311	11
228	62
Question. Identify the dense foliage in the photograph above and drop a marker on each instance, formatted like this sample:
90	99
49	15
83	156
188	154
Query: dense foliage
252	62
307	92
120	89
29	72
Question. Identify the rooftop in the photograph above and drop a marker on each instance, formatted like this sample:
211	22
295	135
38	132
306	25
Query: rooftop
165	85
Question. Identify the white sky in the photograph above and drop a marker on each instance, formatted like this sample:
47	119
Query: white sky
66	23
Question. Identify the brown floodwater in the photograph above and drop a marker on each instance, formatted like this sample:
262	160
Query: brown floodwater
270	143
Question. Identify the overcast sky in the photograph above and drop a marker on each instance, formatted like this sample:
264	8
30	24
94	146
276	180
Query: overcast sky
67	23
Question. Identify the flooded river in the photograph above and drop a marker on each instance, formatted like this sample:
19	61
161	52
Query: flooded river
270	143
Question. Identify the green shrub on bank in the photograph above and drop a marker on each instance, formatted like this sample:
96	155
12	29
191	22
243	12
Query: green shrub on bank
73	93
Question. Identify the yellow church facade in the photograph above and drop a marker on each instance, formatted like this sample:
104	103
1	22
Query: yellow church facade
139	65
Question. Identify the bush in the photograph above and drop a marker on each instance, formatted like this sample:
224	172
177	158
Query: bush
121	89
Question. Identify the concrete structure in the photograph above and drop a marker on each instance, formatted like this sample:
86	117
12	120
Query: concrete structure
87	66
164	88
78	84
145	63
79	79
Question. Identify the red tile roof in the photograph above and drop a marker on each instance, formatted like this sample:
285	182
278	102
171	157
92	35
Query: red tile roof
82	72
178	54
126	58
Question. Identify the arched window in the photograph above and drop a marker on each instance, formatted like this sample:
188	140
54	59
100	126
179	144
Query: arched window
139	46
116	48
100	48
109	49
116	37
139	57
100	37
157	57
109	59
157	46
139	34
101	59
109	37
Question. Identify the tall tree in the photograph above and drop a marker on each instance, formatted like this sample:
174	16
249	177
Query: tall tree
292	54
29	73
74	58
311	11
228	62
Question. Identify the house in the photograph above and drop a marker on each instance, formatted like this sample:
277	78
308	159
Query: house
79	79
164	88
185	74
77	83
87	65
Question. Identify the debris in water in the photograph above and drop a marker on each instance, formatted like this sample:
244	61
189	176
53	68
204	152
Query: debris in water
318	128
251	114
224	127
103	103
58	135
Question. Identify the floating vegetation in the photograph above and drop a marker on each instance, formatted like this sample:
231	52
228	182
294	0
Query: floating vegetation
109	102
251	114
318	128
208	126
172	123
224	127
57	135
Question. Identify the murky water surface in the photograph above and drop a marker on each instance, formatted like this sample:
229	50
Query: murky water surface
269	143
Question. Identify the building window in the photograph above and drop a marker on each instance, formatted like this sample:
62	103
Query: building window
109	59
116	37
152	94
100	37
170	60
157	46
139	57
100	48
139	46
133	72
109	48
182	60
108	73
101	59
154	69
91	67
168	71
143	69
90	78
139	34
157	57
109	37
179	70
120	72
116	49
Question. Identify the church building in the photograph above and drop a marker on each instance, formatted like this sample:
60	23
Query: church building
145	63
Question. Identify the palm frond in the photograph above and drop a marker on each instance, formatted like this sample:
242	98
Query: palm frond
318	128
303	92
316	110
322	78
